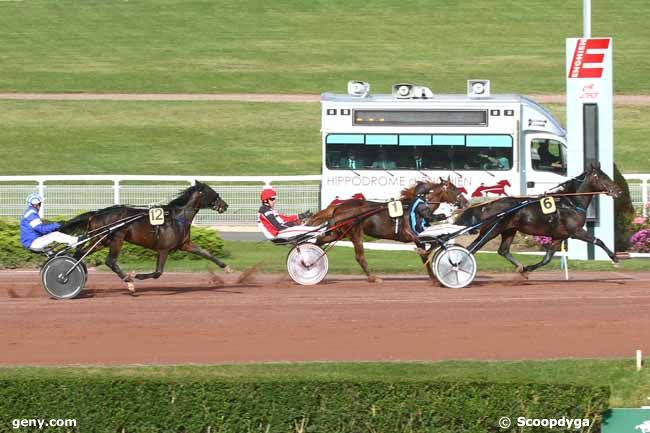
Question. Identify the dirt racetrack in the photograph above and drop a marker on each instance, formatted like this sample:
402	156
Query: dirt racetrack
186	318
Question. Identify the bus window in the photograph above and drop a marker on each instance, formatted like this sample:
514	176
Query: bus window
548	155
418	152
491	152
345	157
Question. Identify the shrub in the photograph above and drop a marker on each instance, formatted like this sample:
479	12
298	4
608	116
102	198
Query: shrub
623	214
139	404
640	241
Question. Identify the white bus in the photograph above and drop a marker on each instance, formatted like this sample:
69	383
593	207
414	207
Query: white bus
491	145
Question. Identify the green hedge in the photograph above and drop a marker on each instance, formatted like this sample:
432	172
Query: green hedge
623	213
221	405
13	255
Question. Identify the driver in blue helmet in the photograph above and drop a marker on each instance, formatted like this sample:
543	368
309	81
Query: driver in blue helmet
35	234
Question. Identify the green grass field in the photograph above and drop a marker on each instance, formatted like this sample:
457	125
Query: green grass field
243	255
307	46
204	138
629	388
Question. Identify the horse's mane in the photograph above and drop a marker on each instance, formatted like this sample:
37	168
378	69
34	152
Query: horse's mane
183	197
570	185
408	194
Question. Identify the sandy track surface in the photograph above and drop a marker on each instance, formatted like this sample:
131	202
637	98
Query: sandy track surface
189	318
544	99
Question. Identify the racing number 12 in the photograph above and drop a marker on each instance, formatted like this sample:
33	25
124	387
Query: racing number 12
156	216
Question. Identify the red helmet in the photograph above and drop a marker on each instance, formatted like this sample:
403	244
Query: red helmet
268	193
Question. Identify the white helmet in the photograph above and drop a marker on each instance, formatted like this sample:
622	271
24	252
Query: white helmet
34	199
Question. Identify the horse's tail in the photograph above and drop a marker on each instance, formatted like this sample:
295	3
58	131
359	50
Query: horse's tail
470	216
77	224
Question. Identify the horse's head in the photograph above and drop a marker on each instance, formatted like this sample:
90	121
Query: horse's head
599	181
447	192
209	198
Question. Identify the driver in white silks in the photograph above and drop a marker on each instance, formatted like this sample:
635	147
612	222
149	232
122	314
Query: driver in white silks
446	225
427	224
275	225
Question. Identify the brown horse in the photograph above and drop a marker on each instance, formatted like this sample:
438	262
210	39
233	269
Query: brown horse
353	218
572	198
173	234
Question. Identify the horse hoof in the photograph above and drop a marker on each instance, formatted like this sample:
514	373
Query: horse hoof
616	264
130	286
521	269
228	270
421	252
373	279
523	275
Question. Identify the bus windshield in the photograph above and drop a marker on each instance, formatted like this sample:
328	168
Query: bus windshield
548	155
419	152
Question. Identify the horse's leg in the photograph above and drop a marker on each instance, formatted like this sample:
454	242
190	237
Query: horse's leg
356	237
191	248
160	265
115	245
504	249
425	258
550	252
485	236
583	235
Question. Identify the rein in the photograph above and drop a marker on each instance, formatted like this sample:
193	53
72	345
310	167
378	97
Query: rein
483	203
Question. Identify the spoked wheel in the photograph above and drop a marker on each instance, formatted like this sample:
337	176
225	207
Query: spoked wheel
59	285
307	264
455	267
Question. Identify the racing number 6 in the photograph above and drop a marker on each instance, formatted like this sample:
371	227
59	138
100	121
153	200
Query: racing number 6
548	205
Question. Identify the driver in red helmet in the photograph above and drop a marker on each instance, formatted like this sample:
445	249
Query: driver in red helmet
275	225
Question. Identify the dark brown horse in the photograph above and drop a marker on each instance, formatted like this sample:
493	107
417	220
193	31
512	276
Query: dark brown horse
572	198
353	218
173	234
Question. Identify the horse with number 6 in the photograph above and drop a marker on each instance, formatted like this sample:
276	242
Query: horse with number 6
170	233
354	218
561	218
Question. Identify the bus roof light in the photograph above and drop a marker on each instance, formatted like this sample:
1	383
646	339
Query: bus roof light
410	91
478	88
358	88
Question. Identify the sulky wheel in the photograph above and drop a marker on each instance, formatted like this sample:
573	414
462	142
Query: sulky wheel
307	264
455	267
57	284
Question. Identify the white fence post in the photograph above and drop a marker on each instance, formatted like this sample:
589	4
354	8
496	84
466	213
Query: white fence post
644	195
116	191
41	192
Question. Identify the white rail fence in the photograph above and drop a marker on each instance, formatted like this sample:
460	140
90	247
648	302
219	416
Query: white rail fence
66	196
638	183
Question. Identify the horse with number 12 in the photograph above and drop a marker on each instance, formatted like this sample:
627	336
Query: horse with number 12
170	233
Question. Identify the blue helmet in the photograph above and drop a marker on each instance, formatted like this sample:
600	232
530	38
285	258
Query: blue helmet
34	199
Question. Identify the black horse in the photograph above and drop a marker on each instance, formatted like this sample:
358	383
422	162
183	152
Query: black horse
572	198
173	234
